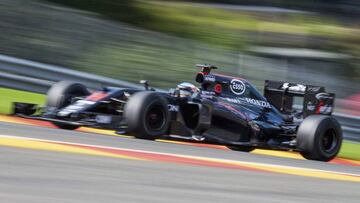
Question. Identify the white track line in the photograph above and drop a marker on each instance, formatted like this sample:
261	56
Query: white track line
183	156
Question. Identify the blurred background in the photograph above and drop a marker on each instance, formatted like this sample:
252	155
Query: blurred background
309	41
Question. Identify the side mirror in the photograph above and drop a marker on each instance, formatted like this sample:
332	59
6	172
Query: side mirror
146	84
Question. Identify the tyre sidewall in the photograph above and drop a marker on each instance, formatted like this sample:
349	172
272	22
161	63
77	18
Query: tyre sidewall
60	93
310	135
136	110
59	96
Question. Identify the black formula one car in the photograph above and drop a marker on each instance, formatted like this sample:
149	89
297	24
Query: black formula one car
223	109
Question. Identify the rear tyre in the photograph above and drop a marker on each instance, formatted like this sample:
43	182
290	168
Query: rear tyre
241	148
60	95
319	138
147	115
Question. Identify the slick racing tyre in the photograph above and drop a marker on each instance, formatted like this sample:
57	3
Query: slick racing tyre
60	95
147	115
319	138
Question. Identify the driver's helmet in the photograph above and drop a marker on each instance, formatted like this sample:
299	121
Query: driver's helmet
187	89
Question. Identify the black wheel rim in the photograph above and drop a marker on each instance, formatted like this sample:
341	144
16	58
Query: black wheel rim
155	117
329	141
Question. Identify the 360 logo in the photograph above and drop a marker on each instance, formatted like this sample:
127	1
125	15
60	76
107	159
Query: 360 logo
237	86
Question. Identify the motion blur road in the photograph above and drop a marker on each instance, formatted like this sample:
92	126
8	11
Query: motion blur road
29	175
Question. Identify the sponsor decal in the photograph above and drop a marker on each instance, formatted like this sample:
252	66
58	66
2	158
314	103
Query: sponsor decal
313	89
320	108
260	103
210	78
78	105
232	100
327	109
296	88
311	106
237	86
323	96
173	107
207	94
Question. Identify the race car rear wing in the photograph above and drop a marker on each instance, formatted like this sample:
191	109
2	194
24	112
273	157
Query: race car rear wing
315	99
206	68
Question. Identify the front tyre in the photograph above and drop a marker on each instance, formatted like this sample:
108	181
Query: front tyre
147	115
319	138
60	95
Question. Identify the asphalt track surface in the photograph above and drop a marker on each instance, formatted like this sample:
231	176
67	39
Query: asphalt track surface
35	167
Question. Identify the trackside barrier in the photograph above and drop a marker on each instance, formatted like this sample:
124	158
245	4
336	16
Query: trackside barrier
41	76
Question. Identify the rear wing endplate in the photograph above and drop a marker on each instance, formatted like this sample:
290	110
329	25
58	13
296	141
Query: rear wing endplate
315	99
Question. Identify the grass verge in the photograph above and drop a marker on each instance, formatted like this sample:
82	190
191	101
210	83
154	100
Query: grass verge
231	29
349	150
8	96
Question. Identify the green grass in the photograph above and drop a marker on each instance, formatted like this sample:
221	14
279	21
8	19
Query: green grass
8	96
171	66
349	150
214	36
185	13
228	29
